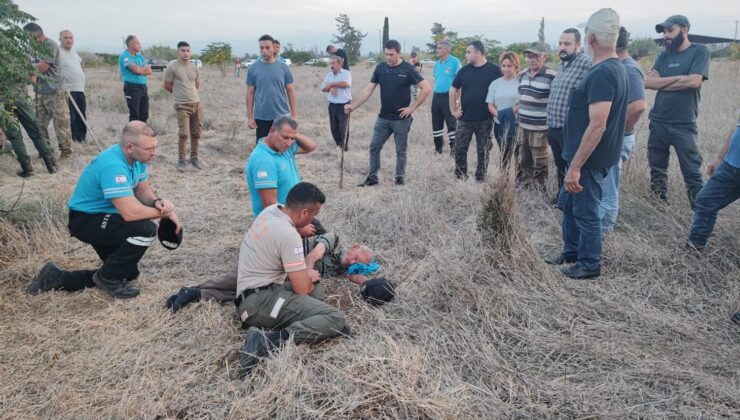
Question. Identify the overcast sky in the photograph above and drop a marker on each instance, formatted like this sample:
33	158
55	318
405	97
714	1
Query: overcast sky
99	26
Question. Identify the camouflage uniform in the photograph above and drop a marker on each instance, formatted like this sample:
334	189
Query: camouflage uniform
22	109
52	101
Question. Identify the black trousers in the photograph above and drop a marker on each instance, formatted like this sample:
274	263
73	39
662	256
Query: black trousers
556	140
441	114
338	122
263	128
119	244
79	130
465	132
137	100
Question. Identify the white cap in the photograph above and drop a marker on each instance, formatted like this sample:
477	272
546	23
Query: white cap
604	21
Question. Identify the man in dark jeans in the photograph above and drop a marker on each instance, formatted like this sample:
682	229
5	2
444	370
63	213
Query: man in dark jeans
338	86
112	209
134	72
395	78
677	75
473	79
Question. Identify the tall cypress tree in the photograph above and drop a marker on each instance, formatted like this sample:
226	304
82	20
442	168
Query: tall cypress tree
386	35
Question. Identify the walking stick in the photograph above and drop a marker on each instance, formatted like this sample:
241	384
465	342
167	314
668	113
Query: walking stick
341	160
84	121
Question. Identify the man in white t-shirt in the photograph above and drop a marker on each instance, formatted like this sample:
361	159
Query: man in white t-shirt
73	81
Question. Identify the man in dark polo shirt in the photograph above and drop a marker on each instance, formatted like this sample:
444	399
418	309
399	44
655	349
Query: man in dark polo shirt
594	129
339	53
473	79
677	75
395	78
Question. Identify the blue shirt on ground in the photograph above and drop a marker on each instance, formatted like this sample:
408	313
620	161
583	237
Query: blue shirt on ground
444	74
108	176
270	96
126	74
267	169
604	82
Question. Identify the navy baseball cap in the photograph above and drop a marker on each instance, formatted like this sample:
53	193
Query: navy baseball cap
679	20
378	291
167	236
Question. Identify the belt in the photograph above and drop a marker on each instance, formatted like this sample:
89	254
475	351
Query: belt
134	84
243	295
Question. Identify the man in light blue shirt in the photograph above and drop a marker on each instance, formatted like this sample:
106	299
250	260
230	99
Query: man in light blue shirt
112	209
445	70
338	85
134	72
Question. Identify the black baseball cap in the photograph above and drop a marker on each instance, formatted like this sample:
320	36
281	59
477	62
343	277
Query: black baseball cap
378	291
167	236
679	20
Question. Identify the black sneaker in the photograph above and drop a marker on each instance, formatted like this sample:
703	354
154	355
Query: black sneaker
399	181
185	296
368	183
576	272
258	345
561	259
736	318
117	288
49	278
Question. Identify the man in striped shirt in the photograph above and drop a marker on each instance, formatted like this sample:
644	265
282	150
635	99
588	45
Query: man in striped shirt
534	91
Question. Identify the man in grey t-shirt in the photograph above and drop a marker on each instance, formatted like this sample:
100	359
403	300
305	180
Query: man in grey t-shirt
73	80
52	98
677	75
270	89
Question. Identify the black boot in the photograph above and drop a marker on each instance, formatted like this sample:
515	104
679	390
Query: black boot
257	345
26	168
49	278
185	296
116	288
51	166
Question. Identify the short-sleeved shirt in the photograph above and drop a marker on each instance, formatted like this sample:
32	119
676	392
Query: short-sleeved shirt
604	82
474	82
107	176
570	73
270	250
270	96
534	92
635	83
73	78
395	87
503	94
444	73
341	53
267	169
680	106
53	75
124	60
732	157
344	95
184	78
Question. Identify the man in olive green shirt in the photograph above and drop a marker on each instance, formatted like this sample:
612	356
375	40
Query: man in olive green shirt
182	78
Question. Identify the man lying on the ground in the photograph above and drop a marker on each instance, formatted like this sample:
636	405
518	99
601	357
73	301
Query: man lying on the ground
323	253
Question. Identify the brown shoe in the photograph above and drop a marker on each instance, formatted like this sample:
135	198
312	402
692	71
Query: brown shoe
66	155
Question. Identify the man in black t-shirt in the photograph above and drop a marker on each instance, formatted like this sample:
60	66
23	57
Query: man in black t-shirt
677	75
473	79
594	129
395	78
339	53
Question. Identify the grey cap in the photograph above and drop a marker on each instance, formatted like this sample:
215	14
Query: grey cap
536	48
679	20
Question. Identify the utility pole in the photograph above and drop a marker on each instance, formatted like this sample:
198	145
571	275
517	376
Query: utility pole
735	39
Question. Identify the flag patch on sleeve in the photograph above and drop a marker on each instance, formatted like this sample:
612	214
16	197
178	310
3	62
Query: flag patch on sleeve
262	174
298	250
120	179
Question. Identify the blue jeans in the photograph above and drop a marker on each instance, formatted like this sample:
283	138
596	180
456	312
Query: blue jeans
610	198
581	222
381	133
719	192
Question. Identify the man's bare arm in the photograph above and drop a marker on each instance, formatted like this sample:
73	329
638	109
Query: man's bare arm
634	112
598	113
292	101
367	91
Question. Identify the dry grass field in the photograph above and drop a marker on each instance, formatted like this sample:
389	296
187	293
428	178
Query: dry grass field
481	327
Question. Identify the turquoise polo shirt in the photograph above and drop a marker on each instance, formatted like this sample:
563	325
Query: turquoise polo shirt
108	176
444	74
126	74
267	169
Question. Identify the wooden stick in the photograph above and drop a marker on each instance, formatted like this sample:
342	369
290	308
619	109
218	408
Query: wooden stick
344	146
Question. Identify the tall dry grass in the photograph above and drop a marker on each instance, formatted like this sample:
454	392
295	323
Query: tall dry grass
481	326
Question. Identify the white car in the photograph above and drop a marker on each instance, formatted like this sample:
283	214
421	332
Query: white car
427	61
197	63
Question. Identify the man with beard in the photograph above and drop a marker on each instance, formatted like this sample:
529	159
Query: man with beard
573	65
677	76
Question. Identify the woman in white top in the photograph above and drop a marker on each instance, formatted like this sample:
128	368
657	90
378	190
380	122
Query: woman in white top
503	94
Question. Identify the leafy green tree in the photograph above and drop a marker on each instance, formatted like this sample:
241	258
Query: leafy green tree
218	54
541	32
643	47
15	48
439	33
491	46
386	31
297	56
349	37
160	51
